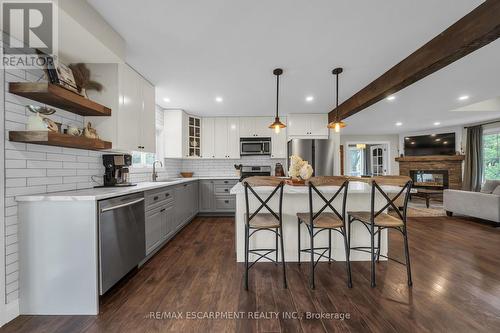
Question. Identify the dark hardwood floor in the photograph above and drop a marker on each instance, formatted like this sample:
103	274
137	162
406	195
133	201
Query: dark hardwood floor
456	274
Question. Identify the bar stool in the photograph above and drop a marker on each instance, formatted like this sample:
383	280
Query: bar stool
319	221
256	221
376	221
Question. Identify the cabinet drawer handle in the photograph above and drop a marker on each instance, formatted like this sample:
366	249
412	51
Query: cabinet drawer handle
226	190
155	198
225	182
167	195
226	201
164	209
185	185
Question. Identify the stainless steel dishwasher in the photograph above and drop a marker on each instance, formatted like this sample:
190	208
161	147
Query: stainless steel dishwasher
121	237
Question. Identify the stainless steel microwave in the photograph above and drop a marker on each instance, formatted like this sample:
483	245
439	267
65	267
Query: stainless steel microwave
255	146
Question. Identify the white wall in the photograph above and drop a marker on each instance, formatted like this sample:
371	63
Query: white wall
392	140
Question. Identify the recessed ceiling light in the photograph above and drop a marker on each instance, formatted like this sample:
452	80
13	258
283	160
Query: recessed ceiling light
399	123
433	134
413	142
391	98
219	99
438	139
446	142
463	98
166	99
437	123
407	138
309	98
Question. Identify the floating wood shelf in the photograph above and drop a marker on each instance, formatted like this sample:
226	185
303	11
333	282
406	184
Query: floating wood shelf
58	139
59	97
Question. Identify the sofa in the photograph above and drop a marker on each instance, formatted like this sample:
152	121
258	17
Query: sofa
484	205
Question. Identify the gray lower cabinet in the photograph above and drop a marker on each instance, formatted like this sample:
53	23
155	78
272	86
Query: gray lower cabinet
215	197
156	228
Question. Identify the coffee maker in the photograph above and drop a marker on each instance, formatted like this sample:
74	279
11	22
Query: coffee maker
116	170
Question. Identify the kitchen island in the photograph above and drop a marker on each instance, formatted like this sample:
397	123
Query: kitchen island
296	199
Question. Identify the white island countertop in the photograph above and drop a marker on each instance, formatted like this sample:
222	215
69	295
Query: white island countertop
94	194
354	187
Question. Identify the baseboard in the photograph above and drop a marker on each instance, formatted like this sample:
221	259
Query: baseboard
9	312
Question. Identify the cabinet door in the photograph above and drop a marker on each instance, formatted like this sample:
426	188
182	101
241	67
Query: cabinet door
148	117
194	198
220	138
233	137
319	123
298	125
129	114
170	225
279	143
262	126
206	191
208	138
155	229
247	127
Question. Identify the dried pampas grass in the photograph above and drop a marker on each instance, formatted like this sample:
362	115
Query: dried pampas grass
82	78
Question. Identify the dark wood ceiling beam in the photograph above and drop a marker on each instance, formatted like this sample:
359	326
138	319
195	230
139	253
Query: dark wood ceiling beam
475	30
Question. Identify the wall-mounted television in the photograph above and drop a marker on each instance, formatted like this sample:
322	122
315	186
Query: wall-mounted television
431	144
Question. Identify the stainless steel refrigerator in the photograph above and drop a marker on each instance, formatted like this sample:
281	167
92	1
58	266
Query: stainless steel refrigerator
318	153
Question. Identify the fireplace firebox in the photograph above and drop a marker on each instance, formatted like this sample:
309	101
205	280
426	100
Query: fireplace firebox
431	179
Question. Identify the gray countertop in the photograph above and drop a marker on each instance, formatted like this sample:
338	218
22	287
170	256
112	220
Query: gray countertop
109	192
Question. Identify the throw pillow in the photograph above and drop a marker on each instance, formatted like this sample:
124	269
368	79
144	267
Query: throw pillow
489	186
496	191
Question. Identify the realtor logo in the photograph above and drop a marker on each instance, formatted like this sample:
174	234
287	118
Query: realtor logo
28	31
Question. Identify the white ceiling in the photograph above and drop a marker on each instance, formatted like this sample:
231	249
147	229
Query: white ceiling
194	51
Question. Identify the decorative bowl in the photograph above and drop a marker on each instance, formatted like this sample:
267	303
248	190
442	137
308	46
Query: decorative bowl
187	174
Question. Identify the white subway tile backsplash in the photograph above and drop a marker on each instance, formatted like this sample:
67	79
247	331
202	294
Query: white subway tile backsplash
15	182
13	164
24	155
42	148
61	172
61	187
16	173
89	159
76	179
44	164
13	191
61	157
75	165
44	181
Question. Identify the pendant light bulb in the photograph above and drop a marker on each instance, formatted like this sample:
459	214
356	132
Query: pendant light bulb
277	129
337	127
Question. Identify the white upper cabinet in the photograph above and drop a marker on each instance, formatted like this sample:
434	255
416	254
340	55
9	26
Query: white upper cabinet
208	138
279	142
148	118
220	138
131	98
312	126
255	127
233	138
175	132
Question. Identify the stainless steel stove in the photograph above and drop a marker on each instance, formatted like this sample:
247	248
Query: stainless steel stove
254	170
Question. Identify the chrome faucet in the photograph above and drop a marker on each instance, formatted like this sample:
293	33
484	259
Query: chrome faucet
155	174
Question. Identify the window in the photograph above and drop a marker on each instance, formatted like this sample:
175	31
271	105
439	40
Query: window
491	155
142	160
355	161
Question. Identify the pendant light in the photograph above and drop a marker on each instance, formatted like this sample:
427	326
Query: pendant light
337	124
277	125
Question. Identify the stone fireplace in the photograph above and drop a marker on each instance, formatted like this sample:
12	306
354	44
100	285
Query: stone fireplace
439	172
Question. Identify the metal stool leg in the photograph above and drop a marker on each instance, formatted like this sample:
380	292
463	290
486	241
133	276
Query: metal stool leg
378	244
407	254
329	246
372	254
276	238
246	256
347	259
311	233
285	285
298	233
